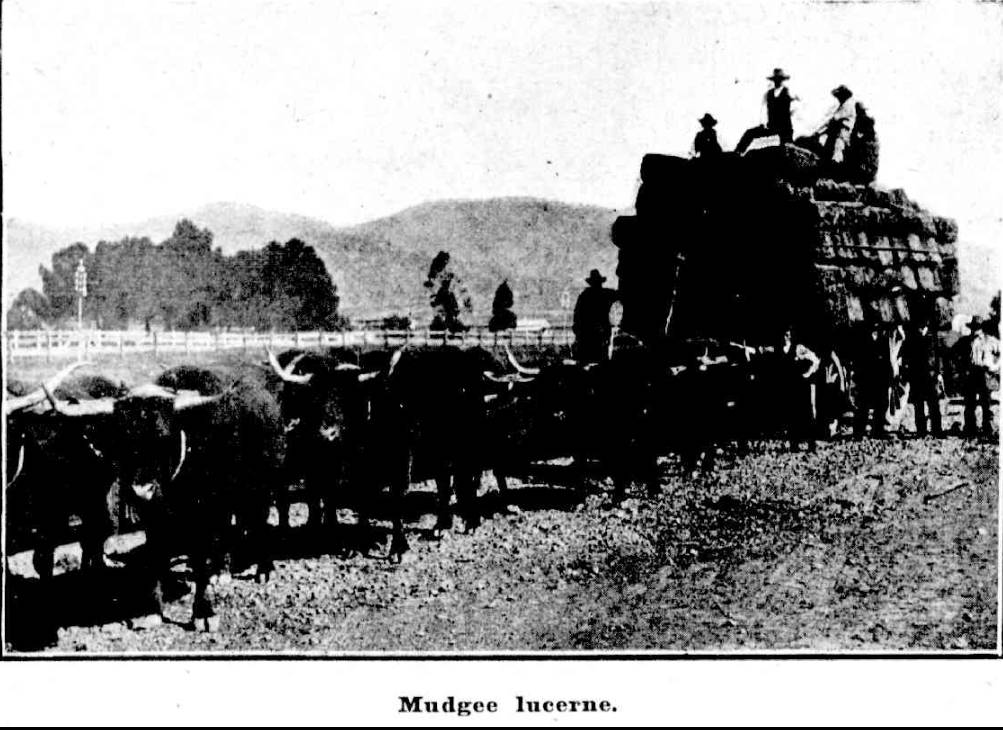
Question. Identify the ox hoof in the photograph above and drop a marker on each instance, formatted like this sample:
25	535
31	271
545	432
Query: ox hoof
209	624
223	579
263	578
150	621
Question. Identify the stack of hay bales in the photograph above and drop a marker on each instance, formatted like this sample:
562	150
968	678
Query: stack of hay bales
738	248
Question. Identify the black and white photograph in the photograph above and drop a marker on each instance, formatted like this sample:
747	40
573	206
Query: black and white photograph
487	331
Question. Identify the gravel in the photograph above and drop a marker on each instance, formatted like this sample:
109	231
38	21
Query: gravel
857	547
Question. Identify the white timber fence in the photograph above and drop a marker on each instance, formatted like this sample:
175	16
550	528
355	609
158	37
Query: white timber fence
61	343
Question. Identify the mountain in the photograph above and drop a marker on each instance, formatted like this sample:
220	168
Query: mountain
541	247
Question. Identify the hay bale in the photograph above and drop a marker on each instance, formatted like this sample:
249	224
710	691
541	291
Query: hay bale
946	229
861	276
854	308
908	277
949	275
625	231
876	197
902	308
839	192
926	280
664	169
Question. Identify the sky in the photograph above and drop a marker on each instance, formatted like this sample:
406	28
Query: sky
347	111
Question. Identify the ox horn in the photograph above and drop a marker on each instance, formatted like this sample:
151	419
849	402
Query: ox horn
48	397
394	360
506	379
515	363
287	373
182	456
94	407
38	395
20	465
189	399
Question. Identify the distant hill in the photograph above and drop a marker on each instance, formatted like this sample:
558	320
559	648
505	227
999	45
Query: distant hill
540	246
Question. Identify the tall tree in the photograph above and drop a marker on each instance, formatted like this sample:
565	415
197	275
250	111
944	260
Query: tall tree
502	316
30	310
443	299
184	283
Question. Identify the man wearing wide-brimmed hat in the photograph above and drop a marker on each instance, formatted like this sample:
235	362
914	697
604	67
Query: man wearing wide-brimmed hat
705	144
591	326
922	362
983	368
834	133
778	104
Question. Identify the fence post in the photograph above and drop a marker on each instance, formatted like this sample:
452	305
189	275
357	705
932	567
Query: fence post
48	346
121	345
154	343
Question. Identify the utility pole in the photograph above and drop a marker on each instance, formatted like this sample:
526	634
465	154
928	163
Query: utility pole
80	286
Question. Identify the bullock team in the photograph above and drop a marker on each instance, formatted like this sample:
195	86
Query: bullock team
203	457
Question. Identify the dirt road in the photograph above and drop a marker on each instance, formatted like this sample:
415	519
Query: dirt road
862	546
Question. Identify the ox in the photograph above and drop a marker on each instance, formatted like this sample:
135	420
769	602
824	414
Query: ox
626	411
56	468
190	462
419	415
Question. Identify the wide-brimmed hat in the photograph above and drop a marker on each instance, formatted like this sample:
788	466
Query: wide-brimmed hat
595	277
778	73
842	93
707	120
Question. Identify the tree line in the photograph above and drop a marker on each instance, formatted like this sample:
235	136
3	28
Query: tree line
183	283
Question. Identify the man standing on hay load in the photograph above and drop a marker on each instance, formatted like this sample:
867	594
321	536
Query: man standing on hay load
778	104
591	325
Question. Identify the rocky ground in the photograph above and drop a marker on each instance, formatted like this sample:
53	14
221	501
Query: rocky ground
862	546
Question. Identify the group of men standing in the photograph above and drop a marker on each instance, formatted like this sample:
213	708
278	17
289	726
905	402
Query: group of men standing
889	359
808	389
845	141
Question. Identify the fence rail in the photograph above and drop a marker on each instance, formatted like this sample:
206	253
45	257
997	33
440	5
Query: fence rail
18	343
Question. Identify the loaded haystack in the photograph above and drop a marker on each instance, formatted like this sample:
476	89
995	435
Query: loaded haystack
737	247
